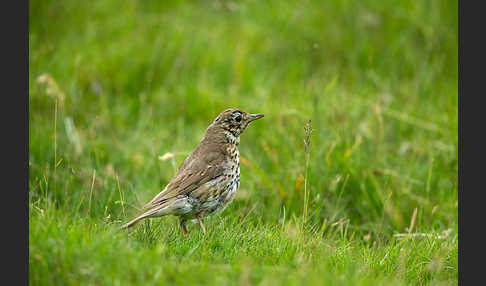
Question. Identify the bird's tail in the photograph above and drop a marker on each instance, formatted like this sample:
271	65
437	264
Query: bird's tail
157	211
135	220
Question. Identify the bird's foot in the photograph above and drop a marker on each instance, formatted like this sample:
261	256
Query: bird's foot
201	224
183	225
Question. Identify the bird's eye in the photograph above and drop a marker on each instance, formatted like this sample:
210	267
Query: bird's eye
238	118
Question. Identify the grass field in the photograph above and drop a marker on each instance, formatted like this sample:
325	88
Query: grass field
116	85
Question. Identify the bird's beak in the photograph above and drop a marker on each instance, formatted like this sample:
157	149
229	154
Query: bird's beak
256	116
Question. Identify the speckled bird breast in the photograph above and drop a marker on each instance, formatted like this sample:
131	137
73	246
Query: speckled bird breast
219	191
223	188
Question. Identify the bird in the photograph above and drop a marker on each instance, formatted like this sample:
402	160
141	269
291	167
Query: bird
207	180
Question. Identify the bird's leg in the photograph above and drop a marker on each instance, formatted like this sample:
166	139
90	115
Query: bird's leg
182	223
198	216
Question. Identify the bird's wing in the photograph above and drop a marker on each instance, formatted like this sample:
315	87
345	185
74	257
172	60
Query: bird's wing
192	174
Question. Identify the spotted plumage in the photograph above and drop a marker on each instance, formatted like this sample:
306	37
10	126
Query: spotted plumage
208	179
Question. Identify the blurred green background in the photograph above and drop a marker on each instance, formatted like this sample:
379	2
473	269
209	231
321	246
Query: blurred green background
115	85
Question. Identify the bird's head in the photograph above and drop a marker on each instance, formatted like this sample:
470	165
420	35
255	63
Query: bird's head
235	121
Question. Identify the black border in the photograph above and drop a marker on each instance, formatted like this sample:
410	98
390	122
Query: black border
15	142
471	65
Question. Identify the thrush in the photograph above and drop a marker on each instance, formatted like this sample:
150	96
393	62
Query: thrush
207	180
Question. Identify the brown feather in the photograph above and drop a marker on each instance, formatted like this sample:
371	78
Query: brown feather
142	216
203	165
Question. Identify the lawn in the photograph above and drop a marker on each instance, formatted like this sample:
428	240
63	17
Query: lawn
120	92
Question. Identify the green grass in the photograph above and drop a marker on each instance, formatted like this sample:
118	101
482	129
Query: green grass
115	85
